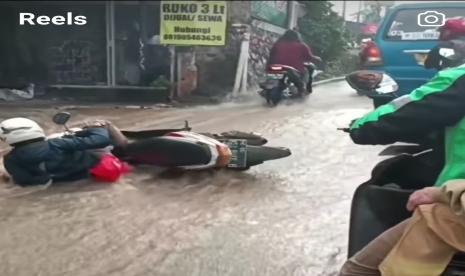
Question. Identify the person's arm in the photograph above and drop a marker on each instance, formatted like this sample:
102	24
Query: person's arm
433	59
452	193
90	138
432	107
23	177
271	58
309	56
116	135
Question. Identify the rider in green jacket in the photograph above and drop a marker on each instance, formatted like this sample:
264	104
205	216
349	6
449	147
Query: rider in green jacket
436	107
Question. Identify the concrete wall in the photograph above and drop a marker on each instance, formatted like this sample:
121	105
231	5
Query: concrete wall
217	65
262	38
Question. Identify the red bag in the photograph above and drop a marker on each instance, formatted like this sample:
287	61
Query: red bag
109	169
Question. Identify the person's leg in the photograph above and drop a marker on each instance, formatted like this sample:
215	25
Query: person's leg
296	78
309	78
367	260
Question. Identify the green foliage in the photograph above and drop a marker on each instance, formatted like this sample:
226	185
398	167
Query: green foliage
324	30
161	82
345	64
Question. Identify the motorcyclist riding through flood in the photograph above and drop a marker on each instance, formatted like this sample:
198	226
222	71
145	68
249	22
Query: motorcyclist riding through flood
290	50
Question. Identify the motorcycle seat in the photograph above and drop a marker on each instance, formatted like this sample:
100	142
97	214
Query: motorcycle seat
165	152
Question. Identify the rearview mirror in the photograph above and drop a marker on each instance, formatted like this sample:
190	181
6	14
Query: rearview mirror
387	85
61	118
446	52
371	81
364	80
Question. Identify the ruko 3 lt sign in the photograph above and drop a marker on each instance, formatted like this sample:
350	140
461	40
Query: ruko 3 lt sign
193	23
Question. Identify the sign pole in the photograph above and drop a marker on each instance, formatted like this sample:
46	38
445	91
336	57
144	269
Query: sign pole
245	63
172	71
344	5
178	74
239	73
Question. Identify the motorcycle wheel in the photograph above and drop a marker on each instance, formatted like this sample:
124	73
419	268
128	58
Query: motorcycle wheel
258	154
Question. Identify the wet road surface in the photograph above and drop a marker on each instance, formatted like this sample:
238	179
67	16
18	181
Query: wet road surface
285	217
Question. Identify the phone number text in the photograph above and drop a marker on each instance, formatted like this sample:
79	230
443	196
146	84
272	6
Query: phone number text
192	37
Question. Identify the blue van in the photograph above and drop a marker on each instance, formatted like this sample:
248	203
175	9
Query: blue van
404	39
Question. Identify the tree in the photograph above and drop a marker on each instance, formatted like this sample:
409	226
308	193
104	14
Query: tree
323	29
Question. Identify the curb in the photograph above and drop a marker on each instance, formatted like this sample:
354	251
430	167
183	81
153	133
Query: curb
65	105
329	80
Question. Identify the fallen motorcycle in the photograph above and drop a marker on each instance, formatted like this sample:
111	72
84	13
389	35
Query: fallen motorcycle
183	149
278	85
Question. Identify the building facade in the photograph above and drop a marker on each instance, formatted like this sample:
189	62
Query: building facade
119	46
116	48
266	21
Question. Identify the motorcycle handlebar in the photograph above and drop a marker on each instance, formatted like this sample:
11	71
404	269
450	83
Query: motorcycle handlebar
320	66
345	129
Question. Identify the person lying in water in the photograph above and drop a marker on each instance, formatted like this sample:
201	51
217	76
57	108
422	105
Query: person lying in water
36	160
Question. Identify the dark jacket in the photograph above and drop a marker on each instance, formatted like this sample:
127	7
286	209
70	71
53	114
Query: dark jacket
58	159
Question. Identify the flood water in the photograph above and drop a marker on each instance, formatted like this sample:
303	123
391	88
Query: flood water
285	217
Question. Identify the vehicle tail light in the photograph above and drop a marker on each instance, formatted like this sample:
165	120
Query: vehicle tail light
224	155
371	55
276	68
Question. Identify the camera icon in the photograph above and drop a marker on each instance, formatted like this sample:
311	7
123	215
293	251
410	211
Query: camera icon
431	19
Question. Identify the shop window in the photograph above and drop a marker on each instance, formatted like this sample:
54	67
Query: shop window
140	60
53	54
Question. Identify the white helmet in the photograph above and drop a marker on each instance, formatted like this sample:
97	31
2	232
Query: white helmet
17	130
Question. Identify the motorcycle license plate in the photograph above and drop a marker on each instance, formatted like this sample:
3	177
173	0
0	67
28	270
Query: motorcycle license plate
274	76
238	149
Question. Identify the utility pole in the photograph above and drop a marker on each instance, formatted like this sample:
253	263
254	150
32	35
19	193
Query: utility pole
344	10
359	10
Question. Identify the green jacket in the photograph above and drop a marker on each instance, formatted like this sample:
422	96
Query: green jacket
437	106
